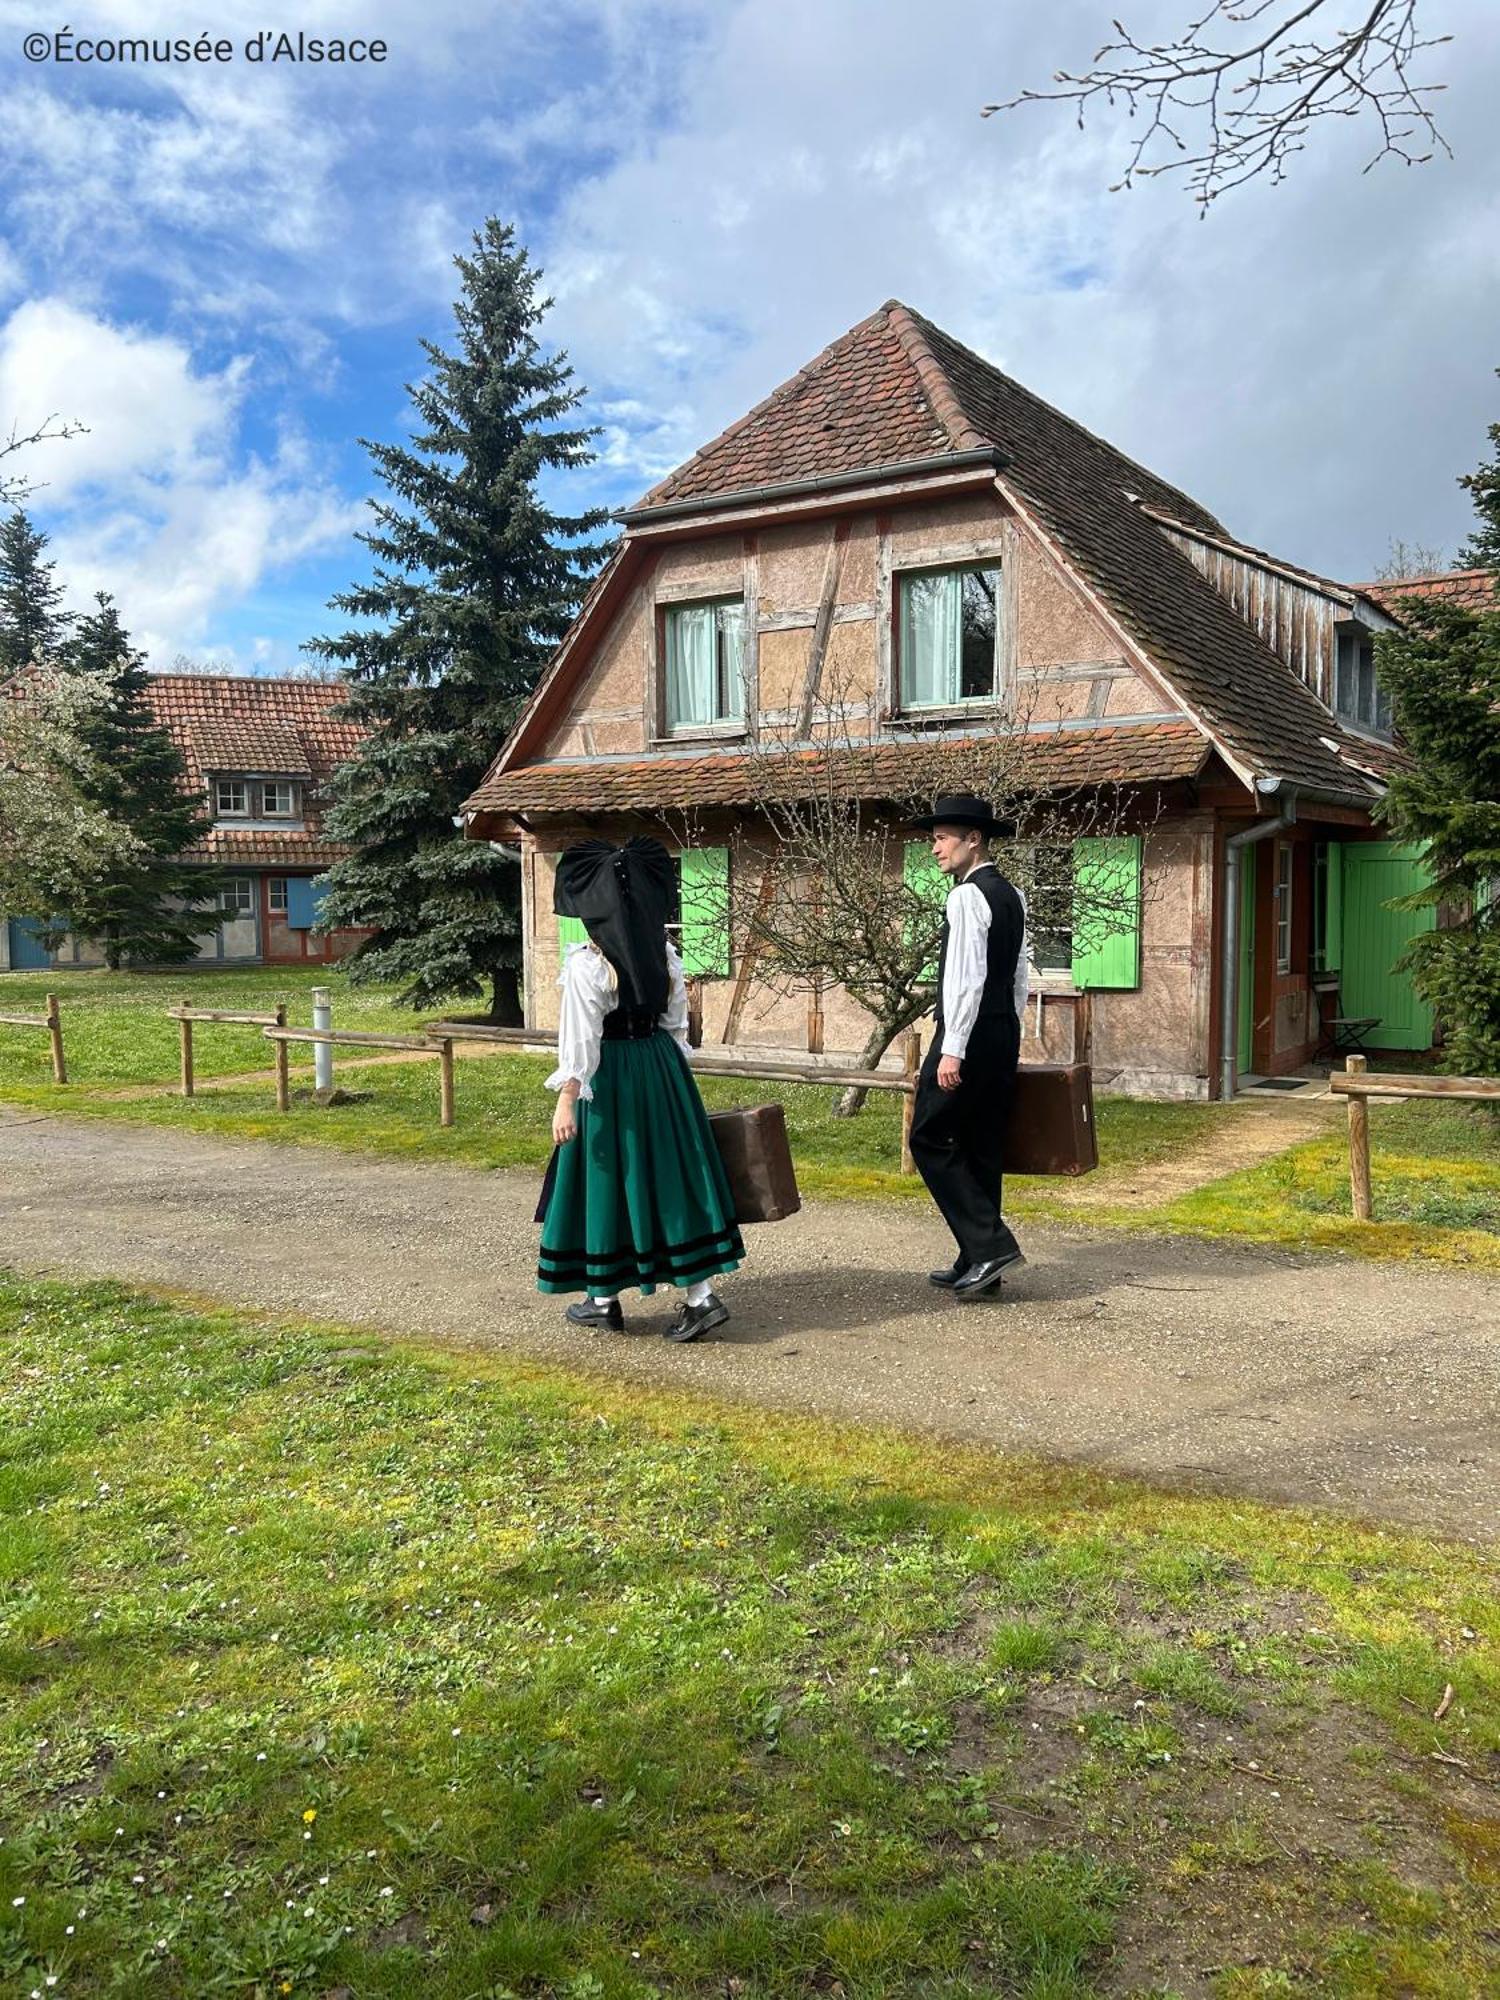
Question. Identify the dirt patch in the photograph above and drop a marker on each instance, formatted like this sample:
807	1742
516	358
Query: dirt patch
1256	1132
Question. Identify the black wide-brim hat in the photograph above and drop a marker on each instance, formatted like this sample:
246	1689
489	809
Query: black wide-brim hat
963	809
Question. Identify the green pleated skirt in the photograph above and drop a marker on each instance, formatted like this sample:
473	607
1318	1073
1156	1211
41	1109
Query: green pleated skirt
640	1196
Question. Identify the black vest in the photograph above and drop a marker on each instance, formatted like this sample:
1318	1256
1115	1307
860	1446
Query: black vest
1007	934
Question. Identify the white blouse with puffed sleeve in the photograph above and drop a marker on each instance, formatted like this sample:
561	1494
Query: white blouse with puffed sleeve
588	994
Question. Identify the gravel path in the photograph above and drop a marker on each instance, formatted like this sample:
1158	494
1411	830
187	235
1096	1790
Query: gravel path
1374	1388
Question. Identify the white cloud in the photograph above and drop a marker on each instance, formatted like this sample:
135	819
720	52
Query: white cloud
1313	361
159	504
149	414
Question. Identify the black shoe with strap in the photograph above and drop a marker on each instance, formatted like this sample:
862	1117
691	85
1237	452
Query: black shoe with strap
949	1276
597	1312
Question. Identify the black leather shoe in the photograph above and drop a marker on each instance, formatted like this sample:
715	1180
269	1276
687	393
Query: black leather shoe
591	1312
692	1322
948	1277
982	1278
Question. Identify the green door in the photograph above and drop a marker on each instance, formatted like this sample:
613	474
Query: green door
1374	871
1245	984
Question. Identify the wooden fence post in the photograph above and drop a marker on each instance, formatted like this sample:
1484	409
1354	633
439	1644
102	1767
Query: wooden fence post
283	1081
1359	1145
185	1038
911	1064
445	1075
695	1013
54	1032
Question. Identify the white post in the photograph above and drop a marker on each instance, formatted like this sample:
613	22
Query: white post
322	1051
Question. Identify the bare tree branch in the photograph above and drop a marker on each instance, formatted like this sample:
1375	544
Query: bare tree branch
830	834
1223	114
13	489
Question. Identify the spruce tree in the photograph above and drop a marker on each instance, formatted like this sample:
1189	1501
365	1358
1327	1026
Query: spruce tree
1442	670
1482	550
152	909
475	582
32	622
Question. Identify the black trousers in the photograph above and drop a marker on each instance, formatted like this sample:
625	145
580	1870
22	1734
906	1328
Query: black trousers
958	1138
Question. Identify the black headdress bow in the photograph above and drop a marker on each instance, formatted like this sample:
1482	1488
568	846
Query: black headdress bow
622	896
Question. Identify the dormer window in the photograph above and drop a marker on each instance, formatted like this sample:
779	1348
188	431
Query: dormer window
231	798
278	799
1356	696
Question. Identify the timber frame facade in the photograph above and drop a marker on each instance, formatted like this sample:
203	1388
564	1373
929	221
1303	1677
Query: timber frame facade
904	543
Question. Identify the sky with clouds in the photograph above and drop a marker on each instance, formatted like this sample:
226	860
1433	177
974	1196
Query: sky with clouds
225	270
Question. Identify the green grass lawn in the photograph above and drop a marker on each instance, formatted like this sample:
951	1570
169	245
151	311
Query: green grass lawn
1435	1177
115	1029
332	1667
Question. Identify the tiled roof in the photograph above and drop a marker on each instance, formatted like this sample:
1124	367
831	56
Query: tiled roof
270	749
897	386
240	722
255	847
1474	589
1125	754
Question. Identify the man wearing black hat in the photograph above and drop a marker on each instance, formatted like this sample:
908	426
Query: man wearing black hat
965	1088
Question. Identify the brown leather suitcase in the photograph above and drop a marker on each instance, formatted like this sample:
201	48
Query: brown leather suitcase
758	1160
1051	1127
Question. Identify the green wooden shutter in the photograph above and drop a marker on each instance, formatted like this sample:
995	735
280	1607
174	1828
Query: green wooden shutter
1108	871
1328	906
570	930
925	879
705	912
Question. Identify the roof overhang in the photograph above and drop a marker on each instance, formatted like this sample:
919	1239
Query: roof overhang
816	488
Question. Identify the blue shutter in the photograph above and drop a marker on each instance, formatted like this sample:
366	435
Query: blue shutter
305	896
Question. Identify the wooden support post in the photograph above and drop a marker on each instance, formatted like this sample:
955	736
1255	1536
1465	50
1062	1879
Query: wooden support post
695	1013
283	1080
445	1072
1359	1145
185	1038
911	1064
815	1018
54	1033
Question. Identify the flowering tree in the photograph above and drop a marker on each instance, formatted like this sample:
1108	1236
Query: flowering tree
55	845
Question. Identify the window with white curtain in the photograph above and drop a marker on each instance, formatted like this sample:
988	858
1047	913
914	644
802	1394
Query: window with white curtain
705	674
947	642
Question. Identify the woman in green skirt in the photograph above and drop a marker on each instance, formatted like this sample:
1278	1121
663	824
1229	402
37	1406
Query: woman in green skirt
636	1193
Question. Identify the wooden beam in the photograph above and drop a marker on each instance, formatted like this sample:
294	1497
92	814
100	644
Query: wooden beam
823	624
1353	1083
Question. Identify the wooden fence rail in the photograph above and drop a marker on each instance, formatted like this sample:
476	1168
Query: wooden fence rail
439	1045
787	1069
52	1022
1356	1083
185	1016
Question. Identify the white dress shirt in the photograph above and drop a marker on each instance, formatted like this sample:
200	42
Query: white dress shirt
588	994
964	968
